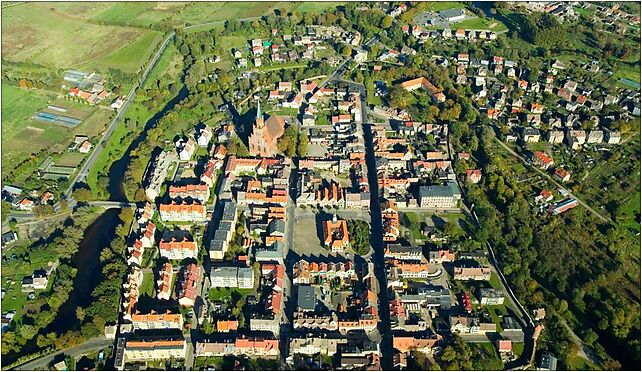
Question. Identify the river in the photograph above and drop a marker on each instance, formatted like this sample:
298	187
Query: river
117	170
87	260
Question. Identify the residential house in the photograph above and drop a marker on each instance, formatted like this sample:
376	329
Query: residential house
575	138
555	136
473	175
542	160
562	175
595	136
531	135
613	137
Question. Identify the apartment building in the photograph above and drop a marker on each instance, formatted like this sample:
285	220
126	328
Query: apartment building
160	349
182	212
157	321
439	196
157	173
232	277
199	192
174	249
190	281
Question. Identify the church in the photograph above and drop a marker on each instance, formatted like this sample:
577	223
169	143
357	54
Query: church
265	134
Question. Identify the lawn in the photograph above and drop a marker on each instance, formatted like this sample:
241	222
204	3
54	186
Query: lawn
147	286
167	69
518	348
495	311
319	6
117	145
123	13
494	281
12	274
480	24
59	40
283	66
221	294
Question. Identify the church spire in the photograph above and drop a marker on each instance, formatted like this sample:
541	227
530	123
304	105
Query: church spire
259	116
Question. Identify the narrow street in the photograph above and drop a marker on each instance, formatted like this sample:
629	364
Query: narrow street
376	240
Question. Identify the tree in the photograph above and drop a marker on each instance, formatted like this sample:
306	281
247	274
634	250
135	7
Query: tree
302	145
399	98
386	22
287	144
359	232
452	229
82	195
346	51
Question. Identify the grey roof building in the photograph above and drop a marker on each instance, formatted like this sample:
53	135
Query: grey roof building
276	227
547	362
306	298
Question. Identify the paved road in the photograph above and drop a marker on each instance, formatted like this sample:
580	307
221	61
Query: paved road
76	351
580	201
523	313
585	351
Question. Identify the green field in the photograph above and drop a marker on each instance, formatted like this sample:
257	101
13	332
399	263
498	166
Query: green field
133	56
167	69
23	136
152	14
19	132
480	24
58	39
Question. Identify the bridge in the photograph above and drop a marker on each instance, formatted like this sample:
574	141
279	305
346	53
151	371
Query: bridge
106	204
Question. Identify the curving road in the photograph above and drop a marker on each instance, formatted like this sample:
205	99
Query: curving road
42	363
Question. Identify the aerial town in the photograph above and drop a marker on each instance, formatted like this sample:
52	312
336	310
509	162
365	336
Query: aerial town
322	186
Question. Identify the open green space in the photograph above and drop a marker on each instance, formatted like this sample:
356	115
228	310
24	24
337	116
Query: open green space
494	281
59	40
167	69
495	312
480	24
70	159
221	294
133	56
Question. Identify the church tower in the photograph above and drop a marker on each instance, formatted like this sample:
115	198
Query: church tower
259	124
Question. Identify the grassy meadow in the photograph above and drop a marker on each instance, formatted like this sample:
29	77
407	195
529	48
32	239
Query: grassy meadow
67	38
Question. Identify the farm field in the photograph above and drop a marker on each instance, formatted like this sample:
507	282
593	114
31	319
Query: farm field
154	14
22	136
53	40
